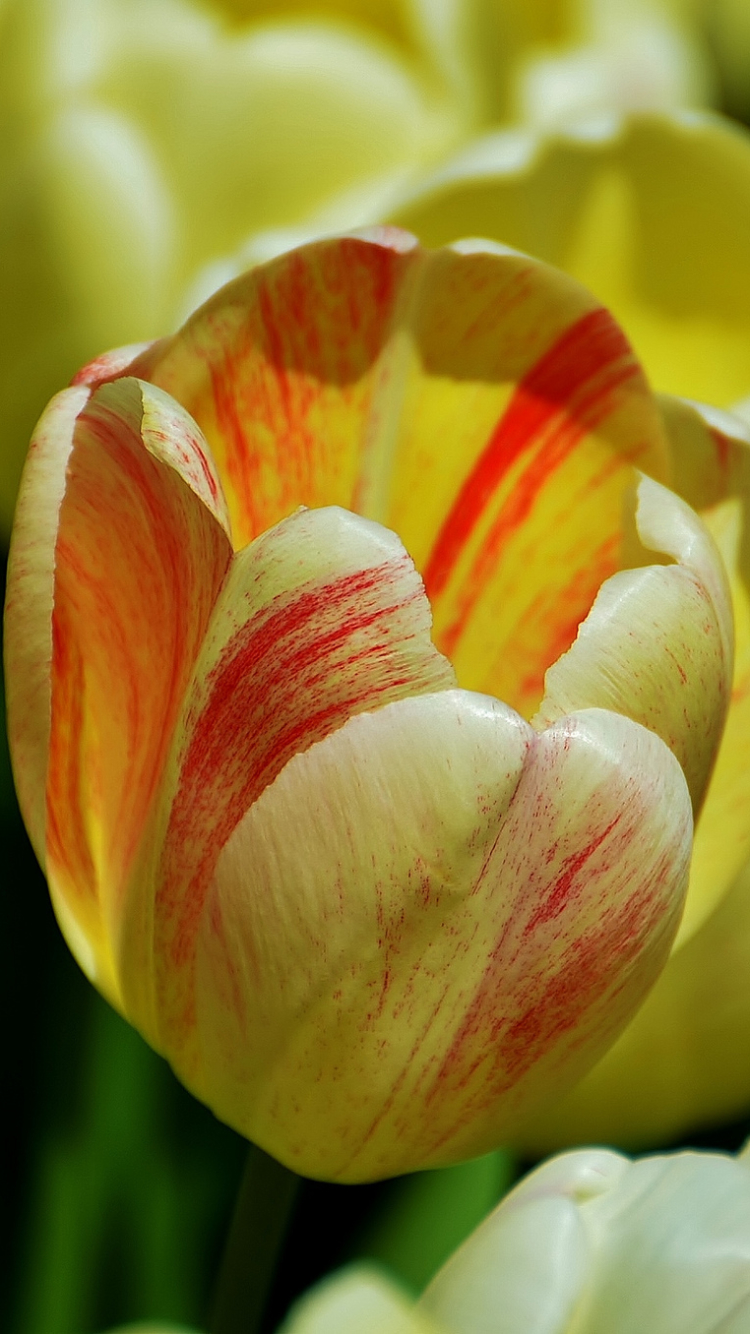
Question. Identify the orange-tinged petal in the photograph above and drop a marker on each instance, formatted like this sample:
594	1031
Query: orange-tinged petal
28	606
658	644
321	618
467	911
141	553
280	368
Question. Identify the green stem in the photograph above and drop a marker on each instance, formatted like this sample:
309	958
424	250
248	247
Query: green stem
261	1217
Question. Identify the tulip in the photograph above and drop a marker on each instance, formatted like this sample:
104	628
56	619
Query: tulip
588	1242
618	208
371	914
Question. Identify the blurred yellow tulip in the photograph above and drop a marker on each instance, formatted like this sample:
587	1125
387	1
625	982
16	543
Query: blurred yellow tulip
651	212
371	914
587	1243
143	140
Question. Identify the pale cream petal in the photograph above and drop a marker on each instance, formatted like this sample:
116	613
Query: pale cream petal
521	1272
672	1248
357	1301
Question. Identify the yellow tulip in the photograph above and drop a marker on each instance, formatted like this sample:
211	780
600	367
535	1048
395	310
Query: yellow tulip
370	913
588	1242
618	207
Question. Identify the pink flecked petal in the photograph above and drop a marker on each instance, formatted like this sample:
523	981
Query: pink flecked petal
432	920
321	618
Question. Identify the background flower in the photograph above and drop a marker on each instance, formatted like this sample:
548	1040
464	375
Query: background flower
589	1241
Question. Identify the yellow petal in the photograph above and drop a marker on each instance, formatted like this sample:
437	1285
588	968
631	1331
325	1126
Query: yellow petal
280	369
521	420
87	230
464	914
683	1062
139	557
615	203
259	127
658	644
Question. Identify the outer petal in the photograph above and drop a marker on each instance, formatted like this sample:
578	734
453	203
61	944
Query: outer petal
141	552
658	644
321	618
471	400
465	914
28	606
614	202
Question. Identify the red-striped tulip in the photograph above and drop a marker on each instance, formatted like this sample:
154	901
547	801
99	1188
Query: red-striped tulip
370	913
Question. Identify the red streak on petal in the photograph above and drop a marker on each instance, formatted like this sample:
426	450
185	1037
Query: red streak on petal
555	901
291	675
564	397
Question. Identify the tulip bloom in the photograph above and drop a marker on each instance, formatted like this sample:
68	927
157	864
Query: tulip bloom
588	1242
370	913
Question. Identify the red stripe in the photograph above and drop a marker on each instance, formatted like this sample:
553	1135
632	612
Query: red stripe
563	397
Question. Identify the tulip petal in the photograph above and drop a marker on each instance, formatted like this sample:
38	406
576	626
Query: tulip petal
613	201
658	642
674	1247
428	920
140	555
357	1301
529	1262
28	606
711	453
470	399
321	618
